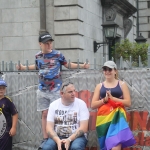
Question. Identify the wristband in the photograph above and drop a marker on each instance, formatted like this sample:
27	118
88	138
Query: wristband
69	139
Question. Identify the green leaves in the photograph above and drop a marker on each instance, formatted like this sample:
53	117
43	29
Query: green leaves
127	49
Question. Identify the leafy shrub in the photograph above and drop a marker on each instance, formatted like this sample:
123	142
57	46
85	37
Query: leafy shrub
127	49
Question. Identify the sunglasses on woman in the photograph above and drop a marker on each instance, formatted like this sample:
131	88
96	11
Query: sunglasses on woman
107	69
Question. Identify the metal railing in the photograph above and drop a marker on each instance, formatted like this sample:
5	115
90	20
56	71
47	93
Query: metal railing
121	64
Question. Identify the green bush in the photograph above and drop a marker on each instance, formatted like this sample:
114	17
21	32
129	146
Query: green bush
127	49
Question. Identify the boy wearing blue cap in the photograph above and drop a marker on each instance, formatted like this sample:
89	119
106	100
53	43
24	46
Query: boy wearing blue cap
8	118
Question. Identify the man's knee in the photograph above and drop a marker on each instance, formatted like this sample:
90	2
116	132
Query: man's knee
78	147
46	148
49	145
79	144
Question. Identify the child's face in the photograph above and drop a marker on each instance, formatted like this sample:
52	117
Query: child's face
2	90
46	47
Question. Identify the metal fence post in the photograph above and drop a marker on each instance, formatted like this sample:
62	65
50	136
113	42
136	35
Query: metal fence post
6	67
148	57
103	61
10	66
130	62
94	63
78	64
2	65
27	65
121	62
140	64
69	65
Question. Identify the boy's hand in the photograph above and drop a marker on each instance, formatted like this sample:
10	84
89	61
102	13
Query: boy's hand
12	131
20	67
86	65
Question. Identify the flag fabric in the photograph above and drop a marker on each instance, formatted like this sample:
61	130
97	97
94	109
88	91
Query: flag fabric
112	126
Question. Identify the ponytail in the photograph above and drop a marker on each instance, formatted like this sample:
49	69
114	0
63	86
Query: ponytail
116	75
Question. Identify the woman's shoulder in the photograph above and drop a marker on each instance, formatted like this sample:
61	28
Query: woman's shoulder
98	86
121	82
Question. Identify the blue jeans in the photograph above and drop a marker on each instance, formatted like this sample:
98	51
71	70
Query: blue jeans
78	144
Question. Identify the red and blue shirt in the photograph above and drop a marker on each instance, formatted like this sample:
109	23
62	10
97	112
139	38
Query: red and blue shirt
49	70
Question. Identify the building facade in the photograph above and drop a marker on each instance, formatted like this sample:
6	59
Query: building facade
144	18
74	25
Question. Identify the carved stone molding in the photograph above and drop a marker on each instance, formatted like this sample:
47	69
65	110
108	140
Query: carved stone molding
110	14
122	6
127	24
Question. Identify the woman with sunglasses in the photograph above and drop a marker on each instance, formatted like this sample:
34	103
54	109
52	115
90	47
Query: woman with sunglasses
110	97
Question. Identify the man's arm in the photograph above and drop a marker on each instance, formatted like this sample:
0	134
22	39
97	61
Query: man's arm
74	65
50	130
52	134
79	132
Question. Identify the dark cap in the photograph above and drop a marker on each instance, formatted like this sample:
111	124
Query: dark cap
3	83
44	37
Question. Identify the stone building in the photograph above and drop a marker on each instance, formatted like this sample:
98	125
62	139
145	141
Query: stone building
74	25
144	18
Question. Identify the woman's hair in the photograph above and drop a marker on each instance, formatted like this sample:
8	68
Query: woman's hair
116	75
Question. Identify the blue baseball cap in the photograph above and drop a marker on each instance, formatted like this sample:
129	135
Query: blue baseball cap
3	83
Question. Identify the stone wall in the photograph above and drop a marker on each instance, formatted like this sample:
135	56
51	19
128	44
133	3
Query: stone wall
144	19
77	24
132	34
19	28
74	26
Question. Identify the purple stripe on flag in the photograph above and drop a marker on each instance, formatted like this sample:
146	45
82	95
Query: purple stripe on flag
124	137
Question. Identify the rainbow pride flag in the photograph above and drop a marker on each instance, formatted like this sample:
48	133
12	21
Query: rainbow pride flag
112	127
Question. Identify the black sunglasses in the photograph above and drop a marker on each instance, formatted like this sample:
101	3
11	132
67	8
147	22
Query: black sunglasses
107	69
65	84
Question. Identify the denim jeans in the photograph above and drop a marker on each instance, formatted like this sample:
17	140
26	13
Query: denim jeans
78	144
